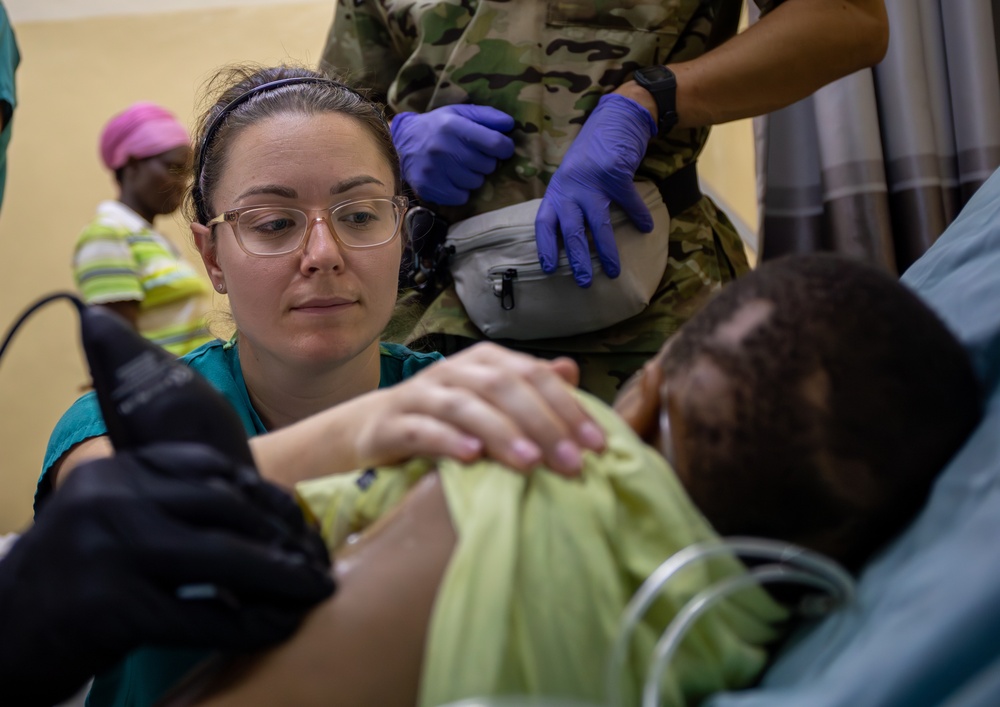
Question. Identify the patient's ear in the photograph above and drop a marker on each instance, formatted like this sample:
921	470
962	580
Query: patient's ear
638	403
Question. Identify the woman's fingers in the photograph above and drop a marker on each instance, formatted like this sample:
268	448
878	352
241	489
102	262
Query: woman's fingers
521	409
408	435
542	390
566	369
523	419
431	419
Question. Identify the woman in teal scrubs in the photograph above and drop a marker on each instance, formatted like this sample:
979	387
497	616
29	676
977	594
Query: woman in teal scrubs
297	213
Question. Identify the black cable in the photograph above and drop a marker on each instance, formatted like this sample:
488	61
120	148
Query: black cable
34	308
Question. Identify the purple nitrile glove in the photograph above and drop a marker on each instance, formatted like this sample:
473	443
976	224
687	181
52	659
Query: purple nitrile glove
599	168
446	153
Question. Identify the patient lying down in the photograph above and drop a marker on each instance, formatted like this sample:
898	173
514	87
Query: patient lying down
813	400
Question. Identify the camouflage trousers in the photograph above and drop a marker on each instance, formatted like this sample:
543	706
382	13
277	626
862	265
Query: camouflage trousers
705	253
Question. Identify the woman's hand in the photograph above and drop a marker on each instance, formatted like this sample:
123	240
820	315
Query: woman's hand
486	401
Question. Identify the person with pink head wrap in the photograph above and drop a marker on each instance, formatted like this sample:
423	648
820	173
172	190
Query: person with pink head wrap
120	260
142	130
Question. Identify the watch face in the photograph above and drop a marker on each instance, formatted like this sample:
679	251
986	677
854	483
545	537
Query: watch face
655	73
661	82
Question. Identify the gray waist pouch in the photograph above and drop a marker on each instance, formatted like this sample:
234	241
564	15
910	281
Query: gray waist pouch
506	294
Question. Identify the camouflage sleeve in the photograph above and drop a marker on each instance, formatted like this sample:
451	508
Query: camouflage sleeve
359	48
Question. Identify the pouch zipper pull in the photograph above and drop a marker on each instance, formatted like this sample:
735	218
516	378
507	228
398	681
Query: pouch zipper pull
506	293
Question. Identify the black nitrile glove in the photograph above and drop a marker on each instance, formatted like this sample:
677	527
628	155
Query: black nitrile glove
171	545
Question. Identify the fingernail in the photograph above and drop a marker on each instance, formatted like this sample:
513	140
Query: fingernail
469	447
591	435
526	452
568	455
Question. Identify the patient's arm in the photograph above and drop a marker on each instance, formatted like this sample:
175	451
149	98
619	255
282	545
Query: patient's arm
365	645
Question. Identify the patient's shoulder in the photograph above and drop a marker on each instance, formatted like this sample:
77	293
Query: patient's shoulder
346	504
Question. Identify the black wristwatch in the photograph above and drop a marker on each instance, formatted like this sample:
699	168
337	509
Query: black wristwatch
661	82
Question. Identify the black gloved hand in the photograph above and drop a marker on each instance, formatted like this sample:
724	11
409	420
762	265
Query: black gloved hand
172	544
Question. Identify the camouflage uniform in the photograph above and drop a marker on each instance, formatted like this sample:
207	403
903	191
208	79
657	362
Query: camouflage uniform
546	64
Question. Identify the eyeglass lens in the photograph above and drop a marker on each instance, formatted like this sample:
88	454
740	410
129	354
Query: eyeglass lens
361	224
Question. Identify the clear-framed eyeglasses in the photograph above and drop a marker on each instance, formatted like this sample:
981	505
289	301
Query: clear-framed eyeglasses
268	231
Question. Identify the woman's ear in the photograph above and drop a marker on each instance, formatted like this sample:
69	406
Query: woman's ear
209	256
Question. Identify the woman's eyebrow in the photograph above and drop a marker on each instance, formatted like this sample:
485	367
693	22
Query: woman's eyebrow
352	182
275	189
289	193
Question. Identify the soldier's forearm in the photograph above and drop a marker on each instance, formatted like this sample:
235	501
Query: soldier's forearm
799	47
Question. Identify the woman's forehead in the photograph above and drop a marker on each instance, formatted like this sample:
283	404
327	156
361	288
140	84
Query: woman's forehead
321	135
296	150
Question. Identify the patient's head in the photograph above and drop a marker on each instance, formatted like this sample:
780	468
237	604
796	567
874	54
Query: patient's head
813	400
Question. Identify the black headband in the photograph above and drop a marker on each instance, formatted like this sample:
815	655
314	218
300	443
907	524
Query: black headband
213	127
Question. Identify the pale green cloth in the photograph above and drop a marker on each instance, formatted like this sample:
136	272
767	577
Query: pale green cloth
544	566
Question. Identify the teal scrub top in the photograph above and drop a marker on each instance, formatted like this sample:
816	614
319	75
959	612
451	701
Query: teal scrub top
146	674
10	57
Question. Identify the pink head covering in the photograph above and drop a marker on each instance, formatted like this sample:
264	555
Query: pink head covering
141	130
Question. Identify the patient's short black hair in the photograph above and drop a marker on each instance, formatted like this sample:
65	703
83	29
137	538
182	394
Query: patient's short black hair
844	399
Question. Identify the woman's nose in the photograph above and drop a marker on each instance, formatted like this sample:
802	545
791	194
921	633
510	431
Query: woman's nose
322	249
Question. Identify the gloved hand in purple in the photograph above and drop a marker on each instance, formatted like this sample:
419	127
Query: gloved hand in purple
446	153
598	169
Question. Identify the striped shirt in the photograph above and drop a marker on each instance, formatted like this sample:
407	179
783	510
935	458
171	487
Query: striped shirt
120	258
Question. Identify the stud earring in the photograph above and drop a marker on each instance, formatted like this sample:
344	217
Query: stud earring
221	287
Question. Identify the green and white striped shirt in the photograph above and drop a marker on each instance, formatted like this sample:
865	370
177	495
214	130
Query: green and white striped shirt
120	258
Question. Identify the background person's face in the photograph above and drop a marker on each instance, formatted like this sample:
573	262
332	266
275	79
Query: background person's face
159	181
324	304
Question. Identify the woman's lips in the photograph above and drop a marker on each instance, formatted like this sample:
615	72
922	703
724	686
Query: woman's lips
324	306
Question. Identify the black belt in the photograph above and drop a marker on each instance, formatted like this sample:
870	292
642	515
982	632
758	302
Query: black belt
680	191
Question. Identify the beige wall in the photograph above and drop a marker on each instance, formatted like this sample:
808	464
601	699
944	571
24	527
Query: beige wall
727	167
74	74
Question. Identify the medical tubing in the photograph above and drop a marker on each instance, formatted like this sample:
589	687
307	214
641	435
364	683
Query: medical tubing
34	308
839	581
671	639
